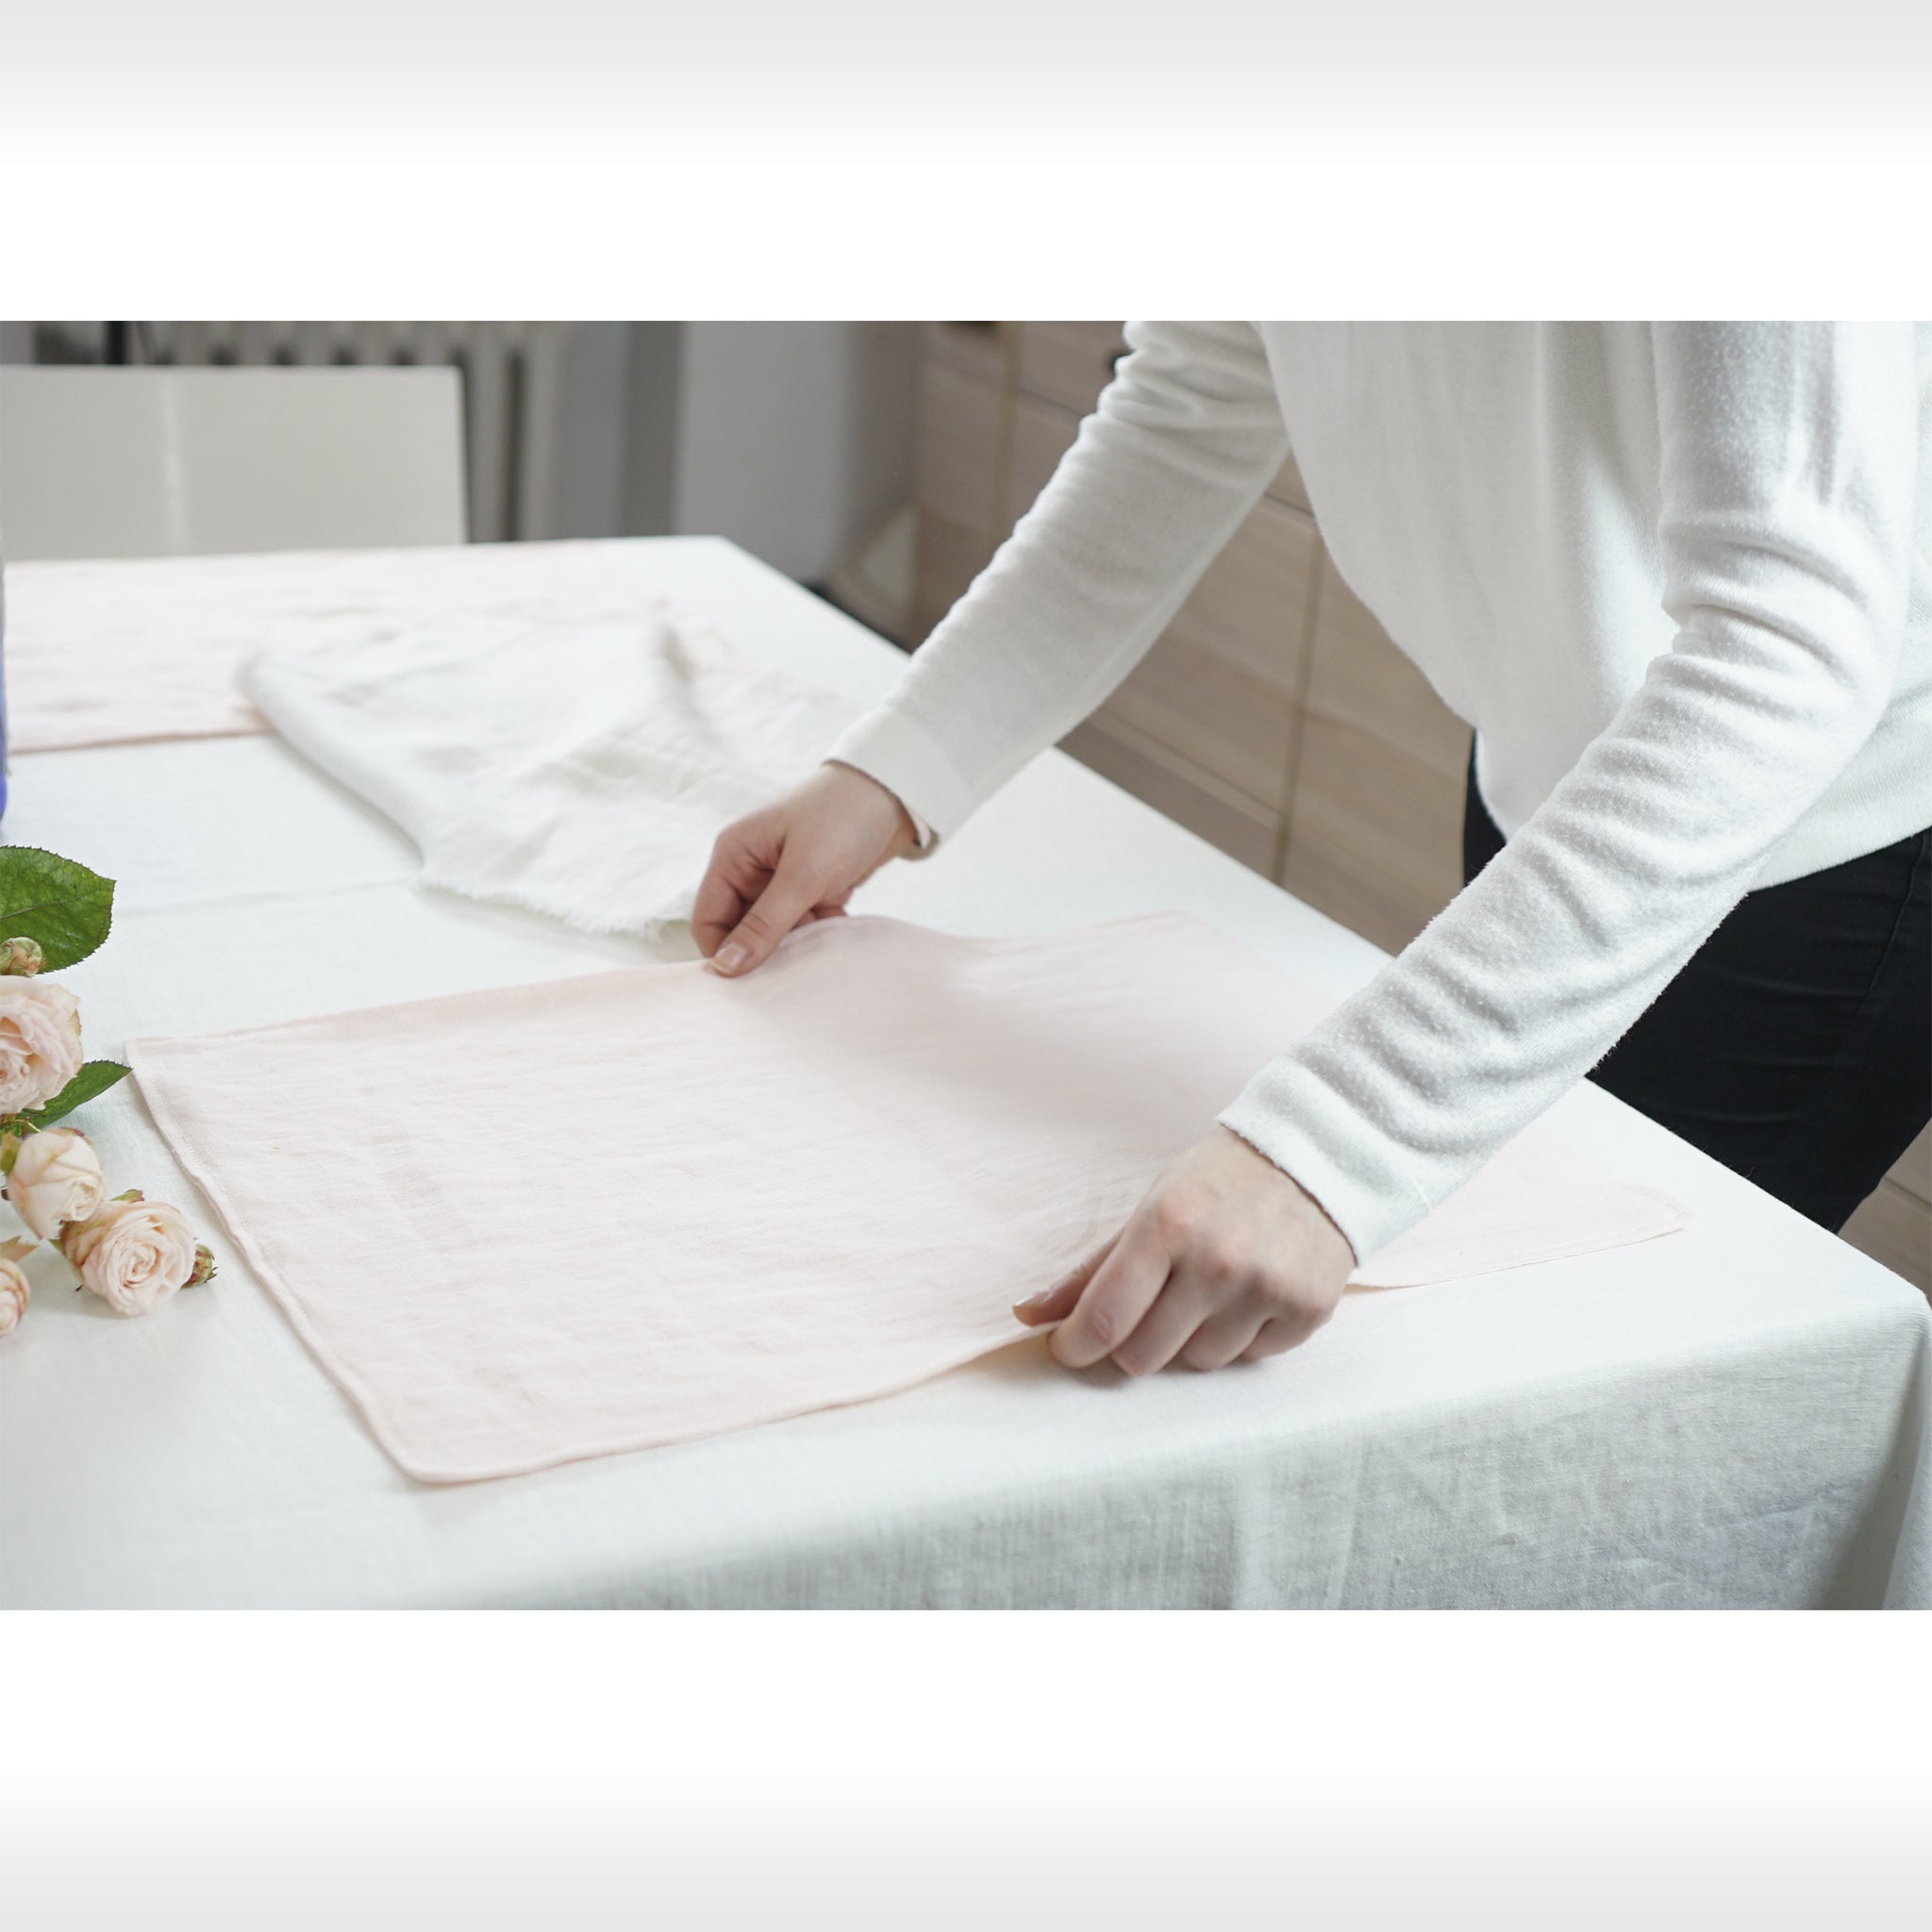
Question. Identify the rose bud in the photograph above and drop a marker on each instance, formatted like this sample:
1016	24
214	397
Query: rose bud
14	1296
23	958
55	1179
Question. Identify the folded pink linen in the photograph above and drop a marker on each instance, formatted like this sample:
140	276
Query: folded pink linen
560	1220
120	651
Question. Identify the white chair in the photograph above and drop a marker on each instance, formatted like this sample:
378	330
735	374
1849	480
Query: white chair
174	462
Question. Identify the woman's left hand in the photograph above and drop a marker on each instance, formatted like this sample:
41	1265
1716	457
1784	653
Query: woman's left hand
1226	1259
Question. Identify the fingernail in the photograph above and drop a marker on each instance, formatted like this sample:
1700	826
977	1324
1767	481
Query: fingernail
731	955
1039	1300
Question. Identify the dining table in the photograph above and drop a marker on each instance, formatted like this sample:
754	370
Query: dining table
1733	1415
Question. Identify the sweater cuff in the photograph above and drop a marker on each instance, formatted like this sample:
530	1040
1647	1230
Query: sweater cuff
1292	1117
912	765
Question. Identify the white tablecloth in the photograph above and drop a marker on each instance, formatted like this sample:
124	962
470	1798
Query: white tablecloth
1735	1415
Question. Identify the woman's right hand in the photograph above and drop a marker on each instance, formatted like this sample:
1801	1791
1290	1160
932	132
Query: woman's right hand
798	860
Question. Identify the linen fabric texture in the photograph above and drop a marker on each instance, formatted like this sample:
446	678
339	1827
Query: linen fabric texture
127	650
545	727
579	769
1735	1415
820	1184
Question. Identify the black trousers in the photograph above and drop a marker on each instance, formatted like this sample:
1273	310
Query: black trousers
1797	1045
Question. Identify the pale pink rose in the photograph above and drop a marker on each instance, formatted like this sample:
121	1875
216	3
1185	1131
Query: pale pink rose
14	1297
56	1178
133	1253
39	1041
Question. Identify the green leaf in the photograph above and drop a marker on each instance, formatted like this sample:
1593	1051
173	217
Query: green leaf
65	909
97	1076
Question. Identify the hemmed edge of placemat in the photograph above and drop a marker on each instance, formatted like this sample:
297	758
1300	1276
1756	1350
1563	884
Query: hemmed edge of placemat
1557	1249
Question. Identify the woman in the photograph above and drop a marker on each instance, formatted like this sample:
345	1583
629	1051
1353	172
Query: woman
1679	578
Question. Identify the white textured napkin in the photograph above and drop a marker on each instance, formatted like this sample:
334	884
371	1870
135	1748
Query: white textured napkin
550	1221
578	768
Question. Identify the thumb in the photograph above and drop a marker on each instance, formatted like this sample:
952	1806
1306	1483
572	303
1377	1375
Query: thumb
777	909
1057	1303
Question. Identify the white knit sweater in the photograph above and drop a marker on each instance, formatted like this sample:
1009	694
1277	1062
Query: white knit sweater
1677	576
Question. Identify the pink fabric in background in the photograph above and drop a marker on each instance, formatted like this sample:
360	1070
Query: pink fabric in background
123	650
559	1221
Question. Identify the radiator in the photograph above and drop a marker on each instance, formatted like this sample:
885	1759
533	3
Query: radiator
514	393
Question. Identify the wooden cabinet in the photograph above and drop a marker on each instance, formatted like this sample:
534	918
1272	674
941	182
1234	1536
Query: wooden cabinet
1039	434
1894	1225
1204	727
1066	363
1288	488
947	555
978	349
957	472
1374	826
1373	837
1221	685
1172	785
960	428
1273	717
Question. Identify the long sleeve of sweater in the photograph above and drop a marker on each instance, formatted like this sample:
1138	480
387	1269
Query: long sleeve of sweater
1183	443
1787	458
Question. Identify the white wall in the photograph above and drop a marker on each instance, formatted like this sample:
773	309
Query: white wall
795	438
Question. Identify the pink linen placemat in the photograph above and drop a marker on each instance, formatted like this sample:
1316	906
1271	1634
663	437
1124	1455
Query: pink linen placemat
121	651
524	1226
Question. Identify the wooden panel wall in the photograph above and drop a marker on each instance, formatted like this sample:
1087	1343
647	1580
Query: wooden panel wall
1273	716
1895	1223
